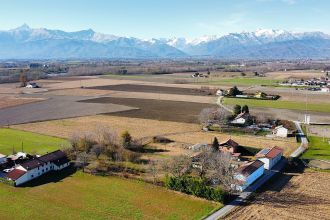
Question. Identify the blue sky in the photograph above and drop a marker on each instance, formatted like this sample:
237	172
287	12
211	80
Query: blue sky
167	18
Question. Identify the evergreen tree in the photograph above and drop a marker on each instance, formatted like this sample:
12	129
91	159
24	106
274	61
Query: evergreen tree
215	144
245	109
237	109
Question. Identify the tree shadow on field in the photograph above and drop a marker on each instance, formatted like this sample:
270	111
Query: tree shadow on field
51	177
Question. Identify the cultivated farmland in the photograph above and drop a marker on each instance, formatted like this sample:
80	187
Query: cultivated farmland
162	110
82	196
305	196
319	107
14	139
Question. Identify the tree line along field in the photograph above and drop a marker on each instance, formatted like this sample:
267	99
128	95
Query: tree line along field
315	107
83	196
31	142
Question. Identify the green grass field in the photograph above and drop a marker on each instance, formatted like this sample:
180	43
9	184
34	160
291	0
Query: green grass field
317	149
316	107
242	81
83	196
10	138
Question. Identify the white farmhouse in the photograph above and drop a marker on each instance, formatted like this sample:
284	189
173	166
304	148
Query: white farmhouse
240	119
248	174
270	157
38	166
280	131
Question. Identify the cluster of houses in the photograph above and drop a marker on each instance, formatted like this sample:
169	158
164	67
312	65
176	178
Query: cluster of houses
21	167
256	95
319	84
249	171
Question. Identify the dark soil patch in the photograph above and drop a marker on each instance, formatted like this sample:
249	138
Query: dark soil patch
161	110
156	89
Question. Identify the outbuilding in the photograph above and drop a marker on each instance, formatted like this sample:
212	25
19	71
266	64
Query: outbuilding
270	156
281	131
248	174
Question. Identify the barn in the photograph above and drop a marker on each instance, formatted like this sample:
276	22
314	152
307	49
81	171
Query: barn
270	156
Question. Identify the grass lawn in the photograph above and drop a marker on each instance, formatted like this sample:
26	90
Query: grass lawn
317	149
316	107
32	142
242	81
83	196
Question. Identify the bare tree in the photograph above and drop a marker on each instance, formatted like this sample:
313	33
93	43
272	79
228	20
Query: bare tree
153	168
221	169
106	136
178	166
97	149
212	116
82	160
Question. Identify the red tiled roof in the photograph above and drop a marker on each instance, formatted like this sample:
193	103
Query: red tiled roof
274	152
270	153
15	174
230	143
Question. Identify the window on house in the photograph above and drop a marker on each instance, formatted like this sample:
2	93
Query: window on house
31	176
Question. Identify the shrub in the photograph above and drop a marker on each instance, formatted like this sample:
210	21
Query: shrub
161	139
195	186
126	139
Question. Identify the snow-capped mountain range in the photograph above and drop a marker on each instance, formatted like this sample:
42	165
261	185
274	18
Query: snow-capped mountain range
40	43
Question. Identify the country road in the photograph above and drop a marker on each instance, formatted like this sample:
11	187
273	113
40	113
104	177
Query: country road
304	142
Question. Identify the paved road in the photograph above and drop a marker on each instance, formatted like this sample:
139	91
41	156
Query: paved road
248	192
304	142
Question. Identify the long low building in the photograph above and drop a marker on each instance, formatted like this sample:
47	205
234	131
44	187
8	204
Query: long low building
248	174
38	166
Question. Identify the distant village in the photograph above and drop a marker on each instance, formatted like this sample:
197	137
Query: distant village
321	84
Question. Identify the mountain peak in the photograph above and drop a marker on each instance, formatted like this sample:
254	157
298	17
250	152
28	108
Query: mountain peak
23	27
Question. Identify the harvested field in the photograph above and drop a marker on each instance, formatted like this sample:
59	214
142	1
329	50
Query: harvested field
78	92
169	97
319	130
152	89
305	196
10	101
54	108
139	128
156	109
181	133
295	74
